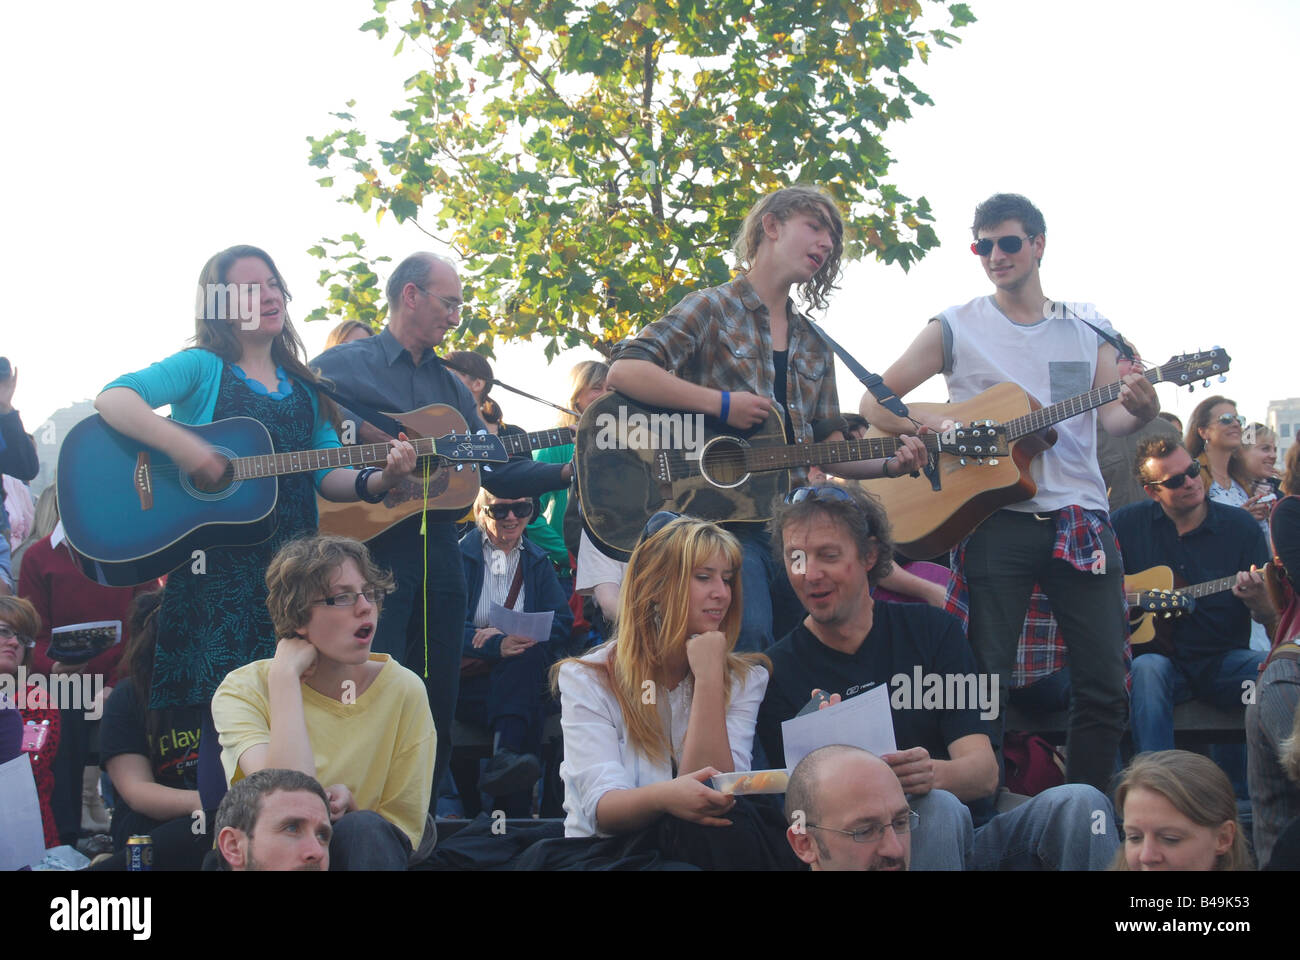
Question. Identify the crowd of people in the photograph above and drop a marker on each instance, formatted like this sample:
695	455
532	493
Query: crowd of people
298	698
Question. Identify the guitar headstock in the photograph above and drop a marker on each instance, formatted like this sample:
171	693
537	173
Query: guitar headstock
1169	603
471	447
1186	368
982	441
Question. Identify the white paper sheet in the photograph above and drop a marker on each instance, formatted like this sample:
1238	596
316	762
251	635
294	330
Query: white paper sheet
863	721
22	836
533	626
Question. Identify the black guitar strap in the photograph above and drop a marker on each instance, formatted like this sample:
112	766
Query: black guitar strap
365	411
879	389
1124	349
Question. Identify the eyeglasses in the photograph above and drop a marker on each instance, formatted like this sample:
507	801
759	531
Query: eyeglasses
1228	419
374	594
500	511
875	832
9	633
451	303
1010	244
1178	479
823	492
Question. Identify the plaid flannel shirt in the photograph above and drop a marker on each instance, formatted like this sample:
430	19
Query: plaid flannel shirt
721	338
1041	651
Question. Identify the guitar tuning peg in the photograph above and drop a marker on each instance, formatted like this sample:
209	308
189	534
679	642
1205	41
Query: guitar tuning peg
1191	388
1223	378
1205	384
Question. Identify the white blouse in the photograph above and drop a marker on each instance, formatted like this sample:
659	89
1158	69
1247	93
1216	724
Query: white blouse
597	755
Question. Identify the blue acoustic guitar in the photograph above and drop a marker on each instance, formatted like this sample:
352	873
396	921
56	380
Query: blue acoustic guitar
131	514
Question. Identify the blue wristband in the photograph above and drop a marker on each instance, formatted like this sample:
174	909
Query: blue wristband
363	478
726	405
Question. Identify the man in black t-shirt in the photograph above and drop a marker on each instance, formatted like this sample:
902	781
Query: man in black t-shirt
835	543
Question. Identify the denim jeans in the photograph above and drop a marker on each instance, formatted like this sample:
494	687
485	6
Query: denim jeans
1065	828
363	840
771	608
1159	684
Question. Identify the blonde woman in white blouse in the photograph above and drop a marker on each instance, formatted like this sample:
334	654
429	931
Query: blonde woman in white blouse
652	714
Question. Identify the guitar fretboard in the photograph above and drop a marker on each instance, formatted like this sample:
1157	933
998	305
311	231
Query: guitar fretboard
1044	417
297	461
831	451
517	444
1196	590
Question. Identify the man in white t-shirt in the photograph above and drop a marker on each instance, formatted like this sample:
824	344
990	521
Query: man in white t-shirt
1061	538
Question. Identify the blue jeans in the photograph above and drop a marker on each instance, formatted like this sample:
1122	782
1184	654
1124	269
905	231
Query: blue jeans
771	608
363	840
1160	683
1071	827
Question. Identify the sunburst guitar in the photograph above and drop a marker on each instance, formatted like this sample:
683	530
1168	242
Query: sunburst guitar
984	462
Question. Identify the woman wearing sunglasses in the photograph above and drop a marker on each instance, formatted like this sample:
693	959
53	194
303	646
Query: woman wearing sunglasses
325	705
651	715
1214	432
503	675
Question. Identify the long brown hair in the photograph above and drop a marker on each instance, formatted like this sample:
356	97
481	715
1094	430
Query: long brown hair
654	606
214	332
137	654
1195	444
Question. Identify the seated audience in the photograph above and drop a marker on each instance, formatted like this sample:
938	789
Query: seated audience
667	703
274	820
1208	655
503	683
836	546
847	811
38	728
152	758
1179	813
328	707
1272	734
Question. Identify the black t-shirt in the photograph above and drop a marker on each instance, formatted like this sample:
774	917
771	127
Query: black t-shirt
173	754
780	364
903	637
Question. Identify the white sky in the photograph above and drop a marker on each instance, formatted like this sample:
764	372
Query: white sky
1155	137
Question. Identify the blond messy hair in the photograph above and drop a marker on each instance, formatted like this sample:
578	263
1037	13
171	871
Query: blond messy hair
654	606
300	574
783	204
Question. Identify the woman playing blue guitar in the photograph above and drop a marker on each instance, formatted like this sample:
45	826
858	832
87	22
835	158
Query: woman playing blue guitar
247	362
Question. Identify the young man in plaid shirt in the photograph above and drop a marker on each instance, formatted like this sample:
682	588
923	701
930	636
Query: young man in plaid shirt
742	350
1062	538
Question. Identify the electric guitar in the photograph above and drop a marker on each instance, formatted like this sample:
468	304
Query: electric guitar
131	514
1004	429
451	486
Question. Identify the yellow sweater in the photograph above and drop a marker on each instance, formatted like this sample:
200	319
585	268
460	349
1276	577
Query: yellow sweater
381	747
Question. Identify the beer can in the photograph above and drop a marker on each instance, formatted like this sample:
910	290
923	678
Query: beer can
139	852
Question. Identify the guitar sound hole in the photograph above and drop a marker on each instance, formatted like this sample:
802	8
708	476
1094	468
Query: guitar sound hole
722	461
221	483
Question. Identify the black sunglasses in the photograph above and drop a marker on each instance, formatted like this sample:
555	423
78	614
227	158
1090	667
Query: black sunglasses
1178	479
824	492
500	511
1010	244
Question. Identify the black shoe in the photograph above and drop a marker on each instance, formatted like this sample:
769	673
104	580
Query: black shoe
509	772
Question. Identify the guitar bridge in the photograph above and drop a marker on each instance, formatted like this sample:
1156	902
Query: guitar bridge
144	480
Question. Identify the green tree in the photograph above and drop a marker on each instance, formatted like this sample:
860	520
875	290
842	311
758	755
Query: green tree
591	162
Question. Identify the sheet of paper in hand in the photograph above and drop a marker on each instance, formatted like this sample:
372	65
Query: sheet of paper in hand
22	841
531	626
863	721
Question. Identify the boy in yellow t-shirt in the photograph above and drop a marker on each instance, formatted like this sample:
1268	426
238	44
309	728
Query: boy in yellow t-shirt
327	706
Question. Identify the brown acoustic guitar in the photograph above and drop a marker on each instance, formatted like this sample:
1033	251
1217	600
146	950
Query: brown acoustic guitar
1157	594
981	475
450	486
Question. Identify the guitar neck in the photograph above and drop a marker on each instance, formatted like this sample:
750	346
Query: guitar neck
1044	417
299	461
784	457
518	444
1196	590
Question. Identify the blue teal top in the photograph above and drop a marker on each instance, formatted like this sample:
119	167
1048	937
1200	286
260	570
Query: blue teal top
189	381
